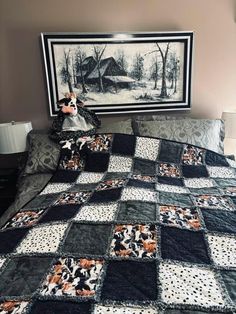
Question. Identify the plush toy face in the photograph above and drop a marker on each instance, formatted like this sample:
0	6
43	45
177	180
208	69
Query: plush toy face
70	106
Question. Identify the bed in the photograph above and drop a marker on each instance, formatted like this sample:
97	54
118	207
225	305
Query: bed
140	224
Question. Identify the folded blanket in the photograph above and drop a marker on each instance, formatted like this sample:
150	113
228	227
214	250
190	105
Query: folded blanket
127	224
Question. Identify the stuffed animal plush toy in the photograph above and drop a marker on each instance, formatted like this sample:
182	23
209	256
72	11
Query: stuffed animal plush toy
73	120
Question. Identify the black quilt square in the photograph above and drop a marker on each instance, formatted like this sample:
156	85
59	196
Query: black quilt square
183	245
130	280
115	175
87	239
60	307
105	196
41	201
229	278
194	171
123	144
170	152
64	176
170	181
136	210
179	199
97	162
220	220
58	213
26	274
10	239
144	167
141	184
213	159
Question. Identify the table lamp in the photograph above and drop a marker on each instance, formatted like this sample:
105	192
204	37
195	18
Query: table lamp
230	132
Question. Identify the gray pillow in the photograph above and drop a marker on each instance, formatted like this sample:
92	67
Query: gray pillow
200	132
124	126
43	153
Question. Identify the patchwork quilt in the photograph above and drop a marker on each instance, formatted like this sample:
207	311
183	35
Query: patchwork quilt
131	225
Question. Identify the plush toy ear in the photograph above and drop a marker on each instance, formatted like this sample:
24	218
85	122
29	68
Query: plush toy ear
61	102
79	102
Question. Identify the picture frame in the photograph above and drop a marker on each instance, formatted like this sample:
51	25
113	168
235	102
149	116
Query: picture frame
116	73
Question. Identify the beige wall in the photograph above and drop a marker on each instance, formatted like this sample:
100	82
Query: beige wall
23	93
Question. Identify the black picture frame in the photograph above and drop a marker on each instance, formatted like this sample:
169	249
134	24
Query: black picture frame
116	73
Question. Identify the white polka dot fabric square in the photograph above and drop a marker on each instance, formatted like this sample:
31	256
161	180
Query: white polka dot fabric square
43	239
221	172
101	212
138	194
147	148
231	162
199	183
2	260
171	188
53	188
190	285
89	177
223	250
120	164
101	309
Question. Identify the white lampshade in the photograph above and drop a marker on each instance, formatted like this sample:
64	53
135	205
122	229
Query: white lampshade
230	123
13	137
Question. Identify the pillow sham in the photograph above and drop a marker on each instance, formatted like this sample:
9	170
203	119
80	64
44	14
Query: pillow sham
43	153
124	126
205	133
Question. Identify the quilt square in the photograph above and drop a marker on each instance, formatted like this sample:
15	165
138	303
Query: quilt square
134	241
171	189
190	286
53	188
59	213
194	171
25	272
73	162
116	175
229	278
213	201
98	212
12	306
147	148
42	239
170	181
172	198
64	176
87	239
206	191
138	278
9	239
24	219
83	187
136	210
97	162
230	190
168	170
118	309
73	277
72	198
57	307
120	164
223	250
220	220
138	194
123	144
141	184
144	167
170	152
183	245
193	155
199	183
180	217
214	159
106	196
144	178
111	184
223	182
221	172
89	177
99	142
41	201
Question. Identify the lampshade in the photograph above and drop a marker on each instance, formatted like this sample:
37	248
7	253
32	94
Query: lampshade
230	123
13	137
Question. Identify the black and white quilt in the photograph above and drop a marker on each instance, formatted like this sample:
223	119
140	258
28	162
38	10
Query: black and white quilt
127	224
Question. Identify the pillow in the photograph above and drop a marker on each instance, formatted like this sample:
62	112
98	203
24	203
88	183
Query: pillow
43	153
200	132
124	126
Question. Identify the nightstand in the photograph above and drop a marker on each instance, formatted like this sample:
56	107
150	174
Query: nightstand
8	180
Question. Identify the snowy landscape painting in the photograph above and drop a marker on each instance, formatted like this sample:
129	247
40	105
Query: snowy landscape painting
120	73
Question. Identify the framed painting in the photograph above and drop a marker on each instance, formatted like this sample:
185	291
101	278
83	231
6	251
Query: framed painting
120	73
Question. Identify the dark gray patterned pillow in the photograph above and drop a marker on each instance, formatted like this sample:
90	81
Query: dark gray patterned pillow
43	153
